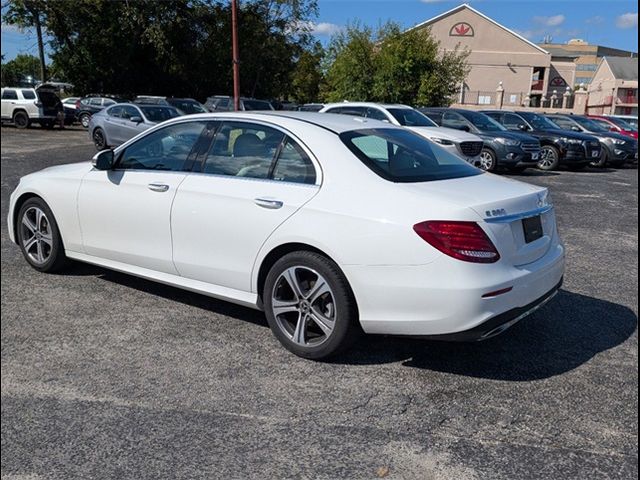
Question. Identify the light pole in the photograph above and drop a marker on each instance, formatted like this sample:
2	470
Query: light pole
236	58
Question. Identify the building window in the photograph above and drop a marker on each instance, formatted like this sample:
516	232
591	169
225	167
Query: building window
585	80
586	67
484	99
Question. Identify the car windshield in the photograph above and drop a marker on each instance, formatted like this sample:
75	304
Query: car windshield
400	155
483	122
408	117
539	122
623	124
590	125
256	105
188	106
159	114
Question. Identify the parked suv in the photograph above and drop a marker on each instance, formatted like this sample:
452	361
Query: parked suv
502	148
87	106
616	124
185	106
24	106
462	144
616	148
558	147
223	103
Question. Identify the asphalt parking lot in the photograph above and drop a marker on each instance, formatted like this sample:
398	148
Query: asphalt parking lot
108	376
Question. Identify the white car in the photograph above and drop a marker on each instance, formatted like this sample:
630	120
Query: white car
326	222
466	145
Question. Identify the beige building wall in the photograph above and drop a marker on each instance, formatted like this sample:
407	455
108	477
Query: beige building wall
496	55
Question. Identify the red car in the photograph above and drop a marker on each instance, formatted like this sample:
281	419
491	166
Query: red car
616	125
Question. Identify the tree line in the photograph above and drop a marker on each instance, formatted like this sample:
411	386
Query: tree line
183	48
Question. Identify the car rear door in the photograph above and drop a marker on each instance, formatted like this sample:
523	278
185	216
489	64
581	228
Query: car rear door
253	178
125	212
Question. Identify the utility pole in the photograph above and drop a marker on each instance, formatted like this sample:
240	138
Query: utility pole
236	58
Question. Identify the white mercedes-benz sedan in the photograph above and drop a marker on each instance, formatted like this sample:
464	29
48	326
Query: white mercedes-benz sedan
330	224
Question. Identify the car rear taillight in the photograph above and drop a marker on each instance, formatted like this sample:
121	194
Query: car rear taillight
465	241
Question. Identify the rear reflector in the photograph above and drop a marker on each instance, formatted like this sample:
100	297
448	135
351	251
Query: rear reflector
464	241
497	292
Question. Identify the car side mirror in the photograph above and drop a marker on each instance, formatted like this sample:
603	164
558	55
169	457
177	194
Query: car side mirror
464	128
523	127
136	119
103	160
576	129
613	129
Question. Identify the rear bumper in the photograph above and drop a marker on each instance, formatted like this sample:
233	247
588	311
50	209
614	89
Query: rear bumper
446	296
498	324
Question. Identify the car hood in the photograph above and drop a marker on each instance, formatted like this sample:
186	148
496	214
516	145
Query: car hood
70	171
605	135
523	137
446	133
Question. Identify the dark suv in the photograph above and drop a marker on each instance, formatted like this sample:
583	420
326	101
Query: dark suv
558	147
617	149
223	103
502	148
87	106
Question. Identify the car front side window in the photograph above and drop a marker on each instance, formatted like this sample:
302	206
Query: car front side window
129	112
513	122
164	149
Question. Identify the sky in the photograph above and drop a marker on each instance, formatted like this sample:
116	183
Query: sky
612	23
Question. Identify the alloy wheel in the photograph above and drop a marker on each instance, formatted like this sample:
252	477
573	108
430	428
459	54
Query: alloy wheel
486	161
84	121
37	236
98	139
547	158
304	306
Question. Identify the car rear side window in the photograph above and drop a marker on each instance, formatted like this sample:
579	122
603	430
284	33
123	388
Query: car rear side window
164	149
400	155
243	150
9	95
115	111
293	165
28	94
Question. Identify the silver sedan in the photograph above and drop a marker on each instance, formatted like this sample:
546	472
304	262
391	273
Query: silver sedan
115	125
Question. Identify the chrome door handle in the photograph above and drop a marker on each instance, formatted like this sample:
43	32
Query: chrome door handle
158	187
266	203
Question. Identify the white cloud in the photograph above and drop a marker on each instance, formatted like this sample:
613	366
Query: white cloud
552	21
320	29
628	20
597	20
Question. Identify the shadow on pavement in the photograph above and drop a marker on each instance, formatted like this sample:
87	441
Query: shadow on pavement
560	337
566	333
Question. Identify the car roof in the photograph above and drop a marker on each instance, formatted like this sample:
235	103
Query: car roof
367	104
334	122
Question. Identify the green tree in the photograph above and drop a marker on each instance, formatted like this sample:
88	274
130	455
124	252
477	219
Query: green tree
15	71
307	75
392	66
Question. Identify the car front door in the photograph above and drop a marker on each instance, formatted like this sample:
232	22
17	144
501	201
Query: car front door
113	125
131	122
125	212
253	178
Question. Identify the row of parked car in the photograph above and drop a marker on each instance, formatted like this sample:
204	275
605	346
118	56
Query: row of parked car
492	140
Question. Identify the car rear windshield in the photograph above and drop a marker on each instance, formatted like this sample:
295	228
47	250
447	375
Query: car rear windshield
159	114
408	117
188	106
400	155
256	105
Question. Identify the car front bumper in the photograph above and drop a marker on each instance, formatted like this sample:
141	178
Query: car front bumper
446	296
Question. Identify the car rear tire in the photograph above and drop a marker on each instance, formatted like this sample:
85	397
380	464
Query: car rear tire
21	120
488	160
85	118
99	139
309	305
39	238
549	158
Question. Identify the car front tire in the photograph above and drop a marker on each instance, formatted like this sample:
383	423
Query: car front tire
549	158
488	160
38	236
310	306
